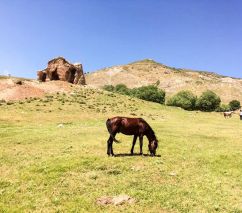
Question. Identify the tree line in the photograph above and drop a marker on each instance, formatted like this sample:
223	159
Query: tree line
208	101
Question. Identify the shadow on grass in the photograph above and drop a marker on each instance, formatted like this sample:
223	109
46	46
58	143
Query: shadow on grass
135	155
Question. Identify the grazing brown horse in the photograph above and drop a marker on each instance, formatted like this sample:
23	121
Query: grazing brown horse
131	126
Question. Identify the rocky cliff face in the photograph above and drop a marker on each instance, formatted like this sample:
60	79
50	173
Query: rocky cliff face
60	69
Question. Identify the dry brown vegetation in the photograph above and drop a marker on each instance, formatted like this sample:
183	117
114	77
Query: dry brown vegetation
171	79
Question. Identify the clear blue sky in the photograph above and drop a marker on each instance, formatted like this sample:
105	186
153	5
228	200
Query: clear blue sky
196	34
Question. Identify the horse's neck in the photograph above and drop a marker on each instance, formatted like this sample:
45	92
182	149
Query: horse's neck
151	136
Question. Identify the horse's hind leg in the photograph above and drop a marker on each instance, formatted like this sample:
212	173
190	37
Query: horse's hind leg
141	144
134	141
111	147
111	143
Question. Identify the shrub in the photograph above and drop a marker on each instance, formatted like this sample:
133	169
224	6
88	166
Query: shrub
119	88
234	105
184	99
10	102
208	101
109	88
149	93
223	108
122	89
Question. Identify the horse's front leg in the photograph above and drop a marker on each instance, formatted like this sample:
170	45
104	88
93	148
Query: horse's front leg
141	144
109	148
134	141
111	145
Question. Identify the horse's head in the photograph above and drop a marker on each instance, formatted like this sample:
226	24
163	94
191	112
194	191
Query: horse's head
153	146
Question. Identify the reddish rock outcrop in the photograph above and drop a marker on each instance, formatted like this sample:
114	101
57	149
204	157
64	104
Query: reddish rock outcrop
60	69
41	76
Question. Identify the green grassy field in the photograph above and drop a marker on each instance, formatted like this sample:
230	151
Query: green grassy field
48	168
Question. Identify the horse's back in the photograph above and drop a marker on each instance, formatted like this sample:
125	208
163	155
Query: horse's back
126	125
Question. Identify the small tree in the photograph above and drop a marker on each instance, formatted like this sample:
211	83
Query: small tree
184	99
223	108
149	93
234	105
109	88
122	88
208	101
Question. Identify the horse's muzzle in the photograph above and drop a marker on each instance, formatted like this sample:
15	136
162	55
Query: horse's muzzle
152	154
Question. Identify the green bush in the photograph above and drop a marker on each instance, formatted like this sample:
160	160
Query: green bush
234	105
184	99
119	88
122	89
223	108
149	93
208	101
109	88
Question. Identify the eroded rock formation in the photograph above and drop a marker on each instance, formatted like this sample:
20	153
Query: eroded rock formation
60	69
41	76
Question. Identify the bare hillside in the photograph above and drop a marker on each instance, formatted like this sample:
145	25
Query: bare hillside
19	88
170	79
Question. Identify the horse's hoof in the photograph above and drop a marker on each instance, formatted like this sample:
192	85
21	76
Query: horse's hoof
141	153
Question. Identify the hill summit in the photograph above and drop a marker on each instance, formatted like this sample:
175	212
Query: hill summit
172	80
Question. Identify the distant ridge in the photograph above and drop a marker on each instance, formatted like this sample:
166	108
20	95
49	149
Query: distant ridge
171	79
181	69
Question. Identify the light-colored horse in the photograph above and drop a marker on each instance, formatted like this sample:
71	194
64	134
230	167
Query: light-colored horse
228	114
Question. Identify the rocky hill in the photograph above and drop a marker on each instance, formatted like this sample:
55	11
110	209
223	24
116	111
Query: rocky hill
170	79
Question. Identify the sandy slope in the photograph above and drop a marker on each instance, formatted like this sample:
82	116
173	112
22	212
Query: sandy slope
171	79
9	90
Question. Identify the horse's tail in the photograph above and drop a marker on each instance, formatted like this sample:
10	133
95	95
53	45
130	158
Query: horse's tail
108	124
